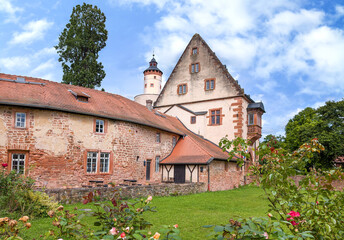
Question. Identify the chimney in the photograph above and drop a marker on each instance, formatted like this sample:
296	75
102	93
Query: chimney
149	104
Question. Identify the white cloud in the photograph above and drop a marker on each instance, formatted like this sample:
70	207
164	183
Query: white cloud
12	63
34	30
7	7
287	21
43	67
340	10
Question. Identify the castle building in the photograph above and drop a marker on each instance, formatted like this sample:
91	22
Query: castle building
204	96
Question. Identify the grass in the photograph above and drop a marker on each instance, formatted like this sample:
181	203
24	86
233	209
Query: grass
190	212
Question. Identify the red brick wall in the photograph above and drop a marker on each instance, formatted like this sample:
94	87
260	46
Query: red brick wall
63	167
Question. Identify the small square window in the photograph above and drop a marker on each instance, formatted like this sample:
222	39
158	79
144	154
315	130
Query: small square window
195	68
193	119
158	140
215	117
18	163
145	85
100	126
201	169
194	51
182	89
152	85
209	84
20	120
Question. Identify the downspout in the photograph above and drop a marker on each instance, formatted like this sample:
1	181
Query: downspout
208	177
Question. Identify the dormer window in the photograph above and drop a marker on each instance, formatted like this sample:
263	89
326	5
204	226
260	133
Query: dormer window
80	96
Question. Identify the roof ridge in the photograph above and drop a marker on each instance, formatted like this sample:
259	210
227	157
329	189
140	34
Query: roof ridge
199	145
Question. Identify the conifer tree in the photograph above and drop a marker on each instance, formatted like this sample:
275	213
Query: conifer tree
79	45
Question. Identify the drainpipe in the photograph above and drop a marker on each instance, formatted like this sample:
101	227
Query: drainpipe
208	178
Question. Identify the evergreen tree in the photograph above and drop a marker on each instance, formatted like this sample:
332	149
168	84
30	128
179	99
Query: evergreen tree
79	45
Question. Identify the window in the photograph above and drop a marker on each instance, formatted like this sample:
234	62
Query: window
154	77
259	120
145	85
18	163
201	169
20	120
209	84
158	137
194	51
193	120
157	161
182	89
92	162
104	162
195	68
95	159
152	84
174	141
215	116
250	119
99	126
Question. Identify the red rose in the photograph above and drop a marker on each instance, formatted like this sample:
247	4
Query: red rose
4	165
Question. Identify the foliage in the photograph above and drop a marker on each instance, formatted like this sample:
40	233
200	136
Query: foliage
68	225
325	123
275	141
79	44
116	219
10	228
17	196
310	208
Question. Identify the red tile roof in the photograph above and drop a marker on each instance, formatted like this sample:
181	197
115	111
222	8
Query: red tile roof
53	95
193	149
39	93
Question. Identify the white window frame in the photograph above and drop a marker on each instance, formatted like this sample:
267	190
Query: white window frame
90	163
100	126
104	162
20	120
18	160
158	138
194	51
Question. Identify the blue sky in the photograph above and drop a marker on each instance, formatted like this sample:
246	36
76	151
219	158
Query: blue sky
289	54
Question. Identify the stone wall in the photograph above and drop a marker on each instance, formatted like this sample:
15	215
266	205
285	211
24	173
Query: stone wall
74	195
55	145
225	175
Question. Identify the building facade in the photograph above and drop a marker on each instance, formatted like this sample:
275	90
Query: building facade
65	136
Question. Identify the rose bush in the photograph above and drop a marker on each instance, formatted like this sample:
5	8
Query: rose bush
311	208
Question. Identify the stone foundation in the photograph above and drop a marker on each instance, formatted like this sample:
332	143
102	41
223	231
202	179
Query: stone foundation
74	195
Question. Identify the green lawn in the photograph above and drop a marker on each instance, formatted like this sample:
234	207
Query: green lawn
190	212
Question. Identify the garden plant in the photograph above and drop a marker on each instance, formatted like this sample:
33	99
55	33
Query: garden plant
307	209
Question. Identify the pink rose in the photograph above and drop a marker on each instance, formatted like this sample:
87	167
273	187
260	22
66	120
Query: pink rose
294	223
113	231
175	226
122	235
266	235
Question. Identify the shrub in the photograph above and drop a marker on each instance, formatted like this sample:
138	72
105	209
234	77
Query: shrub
311	208
10	228
17	196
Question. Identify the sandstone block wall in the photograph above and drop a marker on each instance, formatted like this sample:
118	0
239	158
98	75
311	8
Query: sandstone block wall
56	145
76	194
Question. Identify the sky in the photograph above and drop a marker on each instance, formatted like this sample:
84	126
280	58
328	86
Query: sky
287	53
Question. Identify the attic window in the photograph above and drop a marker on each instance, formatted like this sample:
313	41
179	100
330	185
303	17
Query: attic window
80	96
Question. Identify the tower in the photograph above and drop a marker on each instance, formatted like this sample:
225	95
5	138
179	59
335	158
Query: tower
152	84
152	78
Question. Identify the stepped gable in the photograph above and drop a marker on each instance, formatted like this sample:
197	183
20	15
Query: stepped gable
43	94
240	91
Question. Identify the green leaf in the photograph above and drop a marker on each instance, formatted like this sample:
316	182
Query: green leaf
219	228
